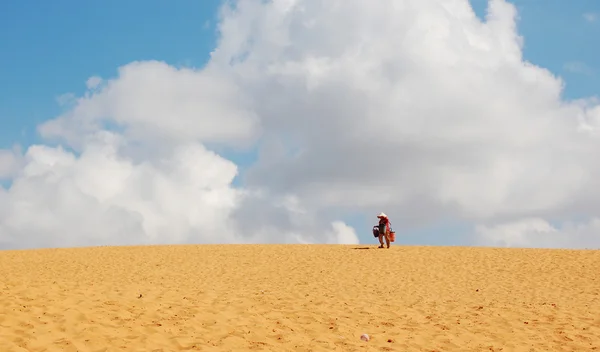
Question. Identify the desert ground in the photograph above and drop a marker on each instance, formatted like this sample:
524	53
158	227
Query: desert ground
299	298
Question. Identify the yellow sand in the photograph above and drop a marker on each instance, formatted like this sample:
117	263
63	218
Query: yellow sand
299	298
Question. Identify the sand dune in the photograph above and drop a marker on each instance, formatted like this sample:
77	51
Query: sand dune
299	298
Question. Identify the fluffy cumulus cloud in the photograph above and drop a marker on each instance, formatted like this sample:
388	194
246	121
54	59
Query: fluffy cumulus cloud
105	195
537	232
418	108
9	163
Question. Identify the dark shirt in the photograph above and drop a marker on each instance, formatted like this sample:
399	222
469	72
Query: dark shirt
384	222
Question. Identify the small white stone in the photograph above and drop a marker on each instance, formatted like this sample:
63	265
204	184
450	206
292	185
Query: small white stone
364	337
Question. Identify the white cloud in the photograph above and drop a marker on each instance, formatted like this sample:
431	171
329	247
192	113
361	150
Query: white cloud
416	108
590	16
407	107
536	232
151	100
9	163
343	233
93	82
105	196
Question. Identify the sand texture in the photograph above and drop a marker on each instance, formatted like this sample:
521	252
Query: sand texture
299	298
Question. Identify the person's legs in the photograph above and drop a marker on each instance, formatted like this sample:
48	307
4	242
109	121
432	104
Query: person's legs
382	234
387	240
380	237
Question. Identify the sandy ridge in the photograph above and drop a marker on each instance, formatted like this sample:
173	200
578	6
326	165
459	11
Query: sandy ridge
299	298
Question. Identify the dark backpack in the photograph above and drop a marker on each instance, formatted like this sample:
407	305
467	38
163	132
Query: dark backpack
376	231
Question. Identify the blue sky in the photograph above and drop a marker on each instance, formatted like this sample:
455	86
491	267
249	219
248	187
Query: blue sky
48	48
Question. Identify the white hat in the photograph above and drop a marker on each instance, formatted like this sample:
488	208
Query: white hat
382	215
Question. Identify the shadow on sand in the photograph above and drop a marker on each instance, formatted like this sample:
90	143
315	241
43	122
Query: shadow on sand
362	248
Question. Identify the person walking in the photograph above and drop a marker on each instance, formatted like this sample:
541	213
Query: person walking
384	230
